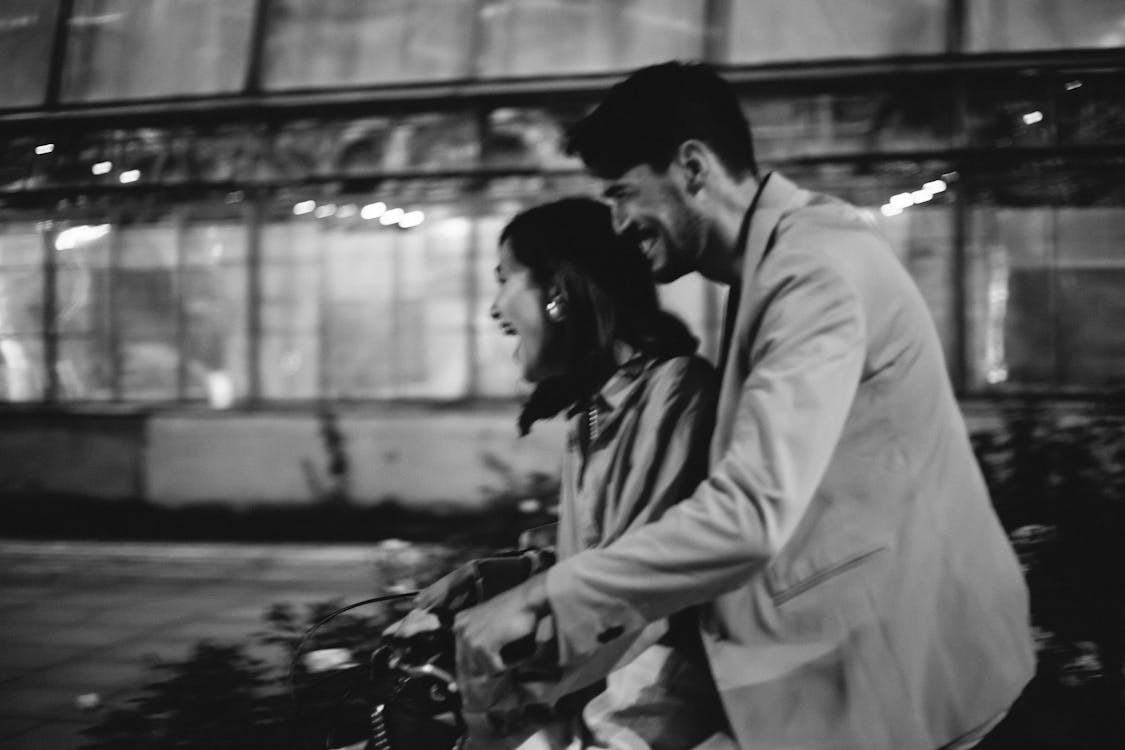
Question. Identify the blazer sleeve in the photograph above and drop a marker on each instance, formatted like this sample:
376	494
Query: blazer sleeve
807	357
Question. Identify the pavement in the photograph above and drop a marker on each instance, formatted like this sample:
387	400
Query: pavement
81	623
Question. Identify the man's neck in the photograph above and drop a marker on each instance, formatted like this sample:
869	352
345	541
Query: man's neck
722	260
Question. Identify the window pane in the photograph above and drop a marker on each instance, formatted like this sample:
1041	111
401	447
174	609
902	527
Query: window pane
128	49
145	312
416	142
1048	295
848	122
27	31
1090	107
776	30
87	363
396	306
214	299
533	37
344	42
290	313
382	307
22	377
1010	112
1044	24
530	137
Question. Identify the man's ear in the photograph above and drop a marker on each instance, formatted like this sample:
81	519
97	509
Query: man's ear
695	158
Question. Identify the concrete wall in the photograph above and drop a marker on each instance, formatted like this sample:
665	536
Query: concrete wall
175	458
417	456
413	457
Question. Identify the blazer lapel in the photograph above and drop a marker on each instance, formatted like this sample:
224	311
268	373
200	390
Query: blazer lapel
774	199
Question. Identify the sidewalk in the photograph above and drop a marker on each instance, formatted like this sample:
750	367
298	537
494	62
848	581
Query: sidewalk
87	618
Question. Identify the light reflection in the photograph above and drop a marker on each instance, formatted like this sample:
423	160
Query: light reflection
44	149
220	389
130	175
68	239
373	210
323	212
102	167
411	219
392	216
304	207
1031	118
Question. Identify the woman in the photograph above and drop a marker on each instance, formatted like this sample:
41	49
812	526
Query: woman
590	334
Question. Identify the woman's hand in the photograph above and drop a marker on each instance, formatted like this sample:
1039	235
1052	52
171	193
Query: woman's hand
453	592
416	621
499	633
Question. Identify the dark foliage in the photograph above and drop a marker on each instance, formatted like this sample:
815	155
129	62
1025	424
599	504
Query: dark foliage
1058	482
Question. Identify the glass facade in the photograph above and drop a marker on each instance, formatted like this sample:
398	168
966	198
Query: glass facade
311	210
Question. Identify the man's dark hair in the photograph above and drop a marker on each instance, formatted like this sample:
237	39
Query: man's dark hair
645	118
608	291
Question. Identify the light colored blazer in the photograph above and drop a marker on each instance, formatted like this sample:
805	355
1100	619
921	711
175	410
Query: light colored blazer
858	590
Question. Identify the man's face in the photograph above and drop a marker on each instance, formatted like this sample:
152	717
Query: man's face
655	209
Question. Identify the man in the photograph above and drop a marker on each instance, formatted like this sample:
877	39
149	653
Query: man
857	590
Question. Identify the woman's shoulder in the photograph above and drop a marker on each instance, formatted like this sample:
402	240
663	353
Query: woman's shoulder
684	372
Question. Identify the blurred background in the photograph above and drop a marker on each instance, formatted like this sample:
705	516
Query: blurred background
229	229
246	253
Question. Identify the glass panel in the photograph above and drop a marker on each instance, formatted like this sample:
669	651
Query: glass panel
86	366
18	160
1048	295
841	122
535	37
145	305
27	31
529	137
1090	108
214	295
290	312
128	49
426	141
775	30
397	307
1044	24
1010	112
22	376
343	42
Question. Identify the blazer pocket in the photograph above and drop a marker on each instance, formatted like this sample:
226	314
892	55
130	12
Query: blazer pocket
783	594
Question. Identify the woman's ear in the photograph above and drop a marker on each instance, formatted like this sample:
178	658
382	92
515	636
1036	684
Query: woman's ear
555	308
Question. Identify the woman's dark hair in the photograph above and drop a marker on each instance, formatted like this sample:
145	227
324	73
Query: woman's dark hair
569	246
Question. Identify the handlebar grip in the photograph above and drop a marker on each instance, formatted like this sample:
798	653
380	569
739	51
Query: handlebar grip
518	650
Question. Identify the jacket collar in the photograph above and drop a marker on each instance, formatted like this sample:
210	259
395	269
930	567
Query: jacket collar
775	198
616	388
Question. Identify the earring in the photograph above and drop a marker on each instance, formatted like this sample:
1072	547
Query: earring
556	310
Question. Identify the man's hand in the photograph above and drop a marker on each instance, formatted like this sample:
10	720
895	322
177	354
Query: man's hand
512	617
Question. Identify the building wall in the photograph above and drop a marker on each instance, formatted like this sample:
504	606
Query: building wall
419	458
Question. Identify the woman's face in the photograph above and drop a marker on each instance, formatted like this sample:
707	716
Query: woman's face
519	308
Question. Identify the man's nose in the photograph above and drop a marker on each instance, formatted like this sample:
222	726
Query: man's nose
494	311
621	219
